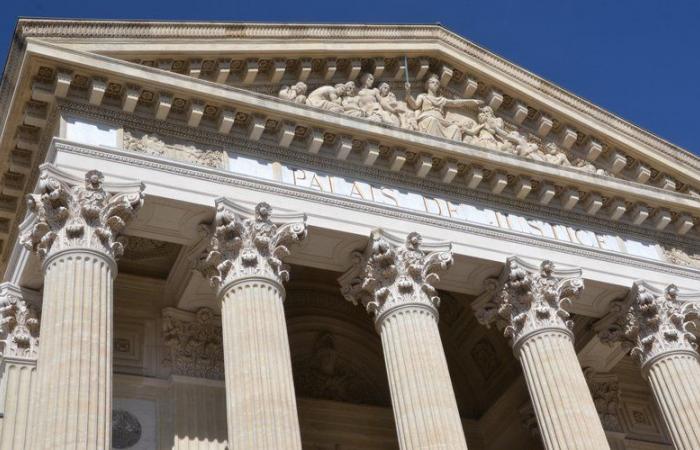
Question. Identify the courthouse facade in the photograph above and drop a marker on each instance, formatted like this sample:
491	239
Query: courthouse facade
253	236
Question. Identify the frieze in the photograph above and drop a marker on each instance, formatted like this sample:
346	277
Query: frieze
194	342
156	145
271	152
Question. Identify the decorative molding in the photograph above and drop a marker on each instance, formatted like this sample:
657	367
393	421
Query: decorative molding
194	341
68	215
650	323
355	205
526	299
391	274
246	243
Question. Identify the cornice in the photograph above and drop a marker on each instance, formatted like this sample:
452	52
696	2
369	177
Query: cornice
276	109
133	30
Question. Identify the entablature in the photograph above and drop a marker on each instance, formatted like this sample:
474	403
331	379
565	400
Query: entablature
179	95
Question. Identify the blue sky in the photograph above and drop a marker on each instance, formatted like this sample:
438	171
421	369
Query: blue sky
638	59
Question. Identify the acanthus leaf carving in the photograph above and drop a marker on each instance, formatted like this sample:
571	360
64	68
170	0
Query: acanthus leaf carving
243	246
525	299
19	326
650	323
194	342
78	216
390	274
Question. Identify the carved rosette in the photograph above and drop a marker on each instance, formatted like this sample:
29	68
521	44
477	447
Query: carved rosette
19	326
69	215
242	246
390	274
650	323
526	299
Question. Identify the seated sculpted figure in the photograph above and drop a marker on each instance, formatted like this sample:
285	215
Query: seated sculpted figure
398	112
328	97
351	101
368	99
490	132
588	167
554	155
295	93
430	109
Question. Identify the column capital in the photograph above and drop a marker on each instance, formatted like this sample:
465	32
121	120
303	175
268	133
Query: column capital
392	273
70	213
247	243
650	322
19	324
526	299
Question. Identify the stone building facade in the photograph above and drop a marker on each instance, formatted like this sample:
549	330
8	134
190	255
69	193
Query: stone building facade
254	236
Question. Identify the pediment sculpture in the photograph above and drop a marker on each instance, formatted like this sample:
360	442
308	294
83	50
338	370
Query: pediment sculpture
466	120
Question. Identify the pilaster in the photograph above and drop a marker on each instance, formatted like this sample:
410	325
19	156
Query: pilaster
19	330
654	326
76	231
394	281
244	263
526	302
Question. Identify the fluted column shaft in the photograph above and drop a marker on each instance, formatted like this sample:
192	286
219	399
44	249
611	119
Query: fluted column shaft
526	302
74	395
394	280
674	380
244	261
655	325
20	382
562	401
260	400
425	409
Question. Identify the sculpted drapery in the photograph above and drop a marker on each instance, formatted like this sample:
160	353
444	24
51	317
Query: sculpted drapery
466	120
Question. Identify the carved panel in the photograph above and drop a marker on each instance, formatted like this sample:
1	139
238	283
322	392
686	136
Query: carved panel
194	343
167	147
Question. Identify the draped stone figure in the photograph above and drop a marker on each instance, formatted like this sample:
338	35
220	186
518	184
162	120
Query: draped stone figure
398	112
431	106
295	93
329	98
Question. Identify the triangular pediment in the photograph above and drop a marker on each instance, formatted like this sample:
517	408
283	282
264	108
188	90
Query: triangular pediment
338	92
545	123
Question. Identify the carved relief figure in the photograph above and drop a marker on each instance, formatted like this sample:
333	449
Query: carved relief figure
431	106
429	112
295	93
153	144
675	255
398	112
328	97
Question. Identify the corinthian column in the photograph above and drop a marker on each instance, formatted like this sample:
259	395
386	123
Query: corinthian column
526	302
76	234
394	281
654	325
244	263
19	329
